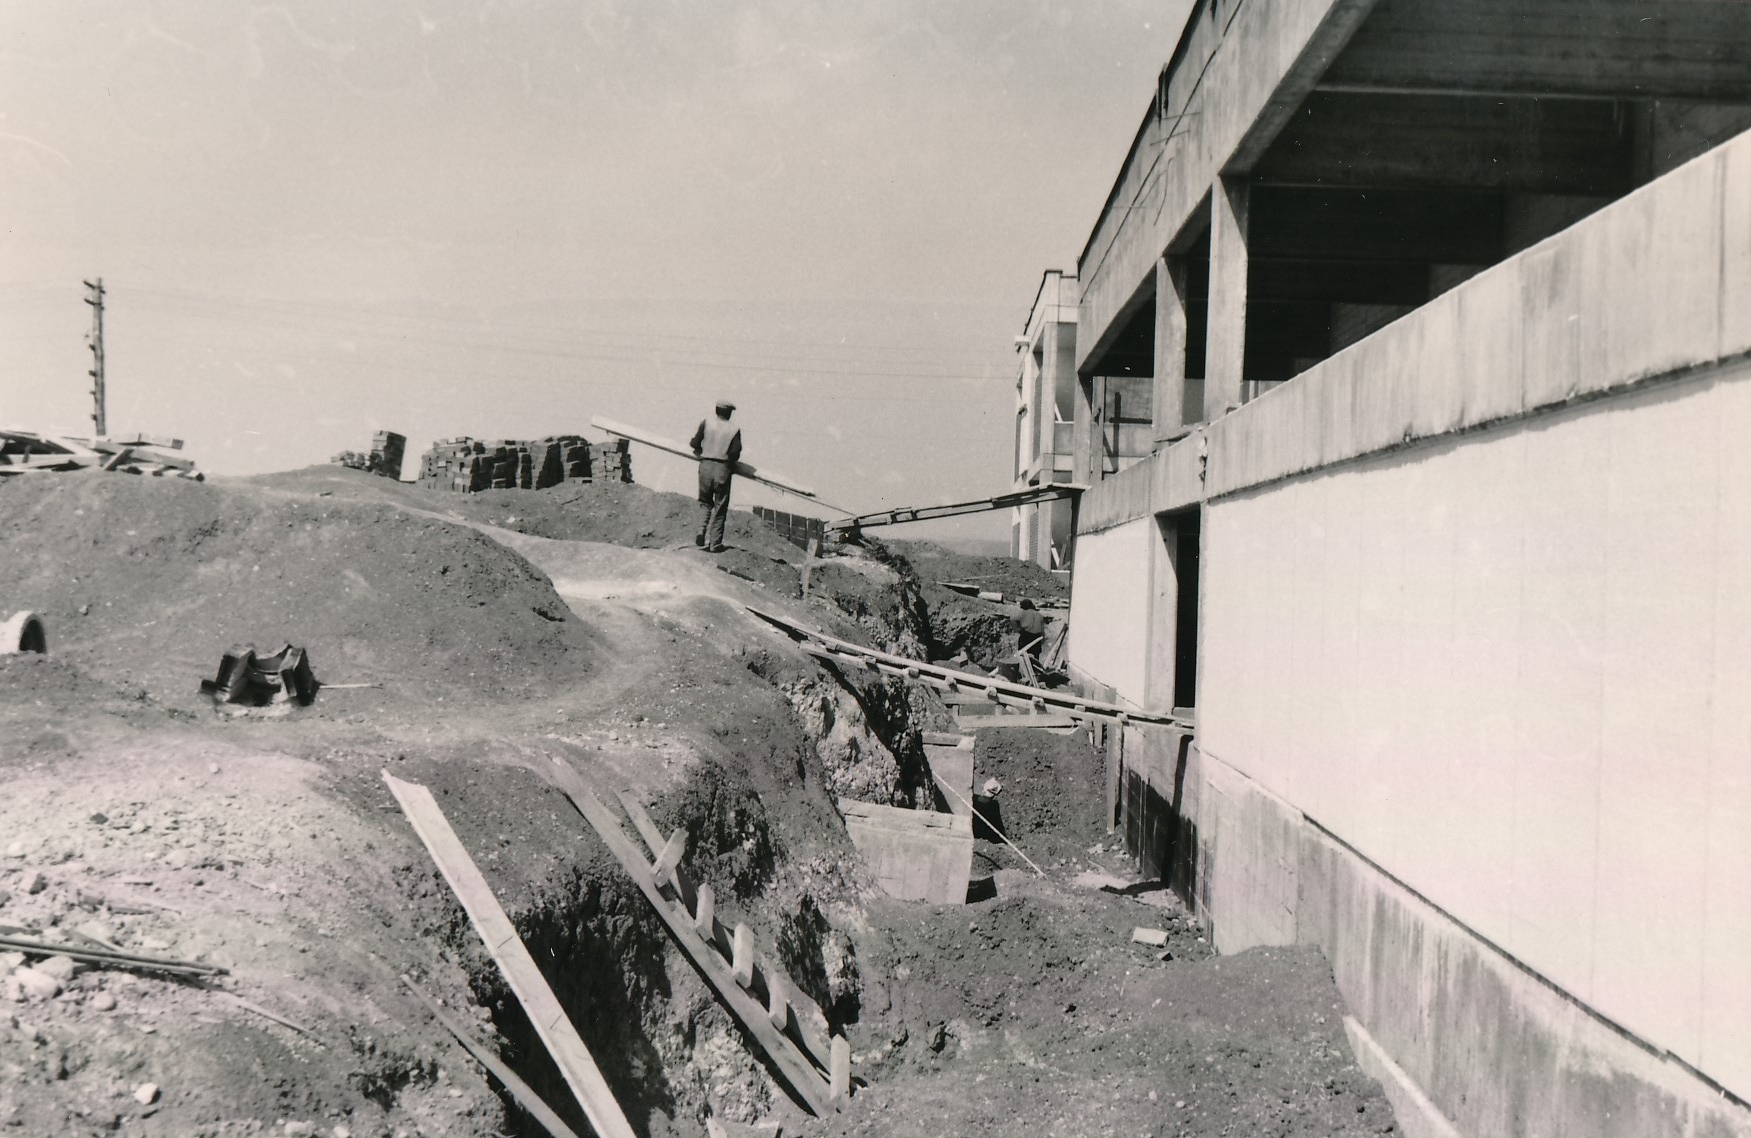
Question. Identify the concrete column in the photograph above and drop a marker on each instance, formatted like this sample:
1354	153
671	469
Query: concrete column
1163	617
1226	358
1168	399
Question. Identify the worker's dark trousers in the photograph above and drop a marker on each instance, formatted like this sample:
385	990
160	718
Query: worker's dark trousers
714	500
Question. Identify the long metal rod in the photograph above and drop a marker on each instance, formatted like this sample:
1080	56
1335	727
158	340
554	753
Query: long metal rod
1004	838
1050	493
118	959
521	1091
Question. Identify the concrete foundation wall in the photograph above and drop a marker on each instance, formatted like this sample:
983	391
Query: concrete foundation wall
1514	670
1474	696
1109	639
1489	1048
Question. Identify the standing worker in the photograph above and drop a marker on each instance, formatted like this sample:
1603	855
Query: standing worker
718	443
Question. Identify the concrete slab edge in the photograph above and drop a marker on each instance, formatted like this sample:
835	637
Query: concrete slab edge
1417	1117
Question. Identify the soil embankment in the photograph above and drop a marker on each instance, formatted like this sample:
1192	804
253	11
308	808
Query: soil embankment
468	641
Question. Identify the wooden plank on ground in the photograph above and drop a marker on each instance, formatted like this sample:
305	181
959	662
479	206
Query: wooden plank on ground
798	1073
520	971
521	1091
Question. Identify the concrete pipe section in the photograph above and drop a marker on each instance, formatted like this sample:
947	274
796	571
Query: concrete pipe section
23	633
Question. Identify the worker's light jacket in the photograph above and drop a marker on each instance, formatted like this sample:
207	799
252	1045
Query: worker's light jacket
719	440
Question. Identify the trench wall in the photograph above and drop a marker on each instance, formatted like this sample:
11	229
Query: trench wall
1475	649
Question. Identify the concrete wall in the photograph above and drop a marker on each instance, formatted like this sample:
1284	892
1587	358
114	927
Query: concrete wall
1489	1047
1109	637
1516	671
1475	698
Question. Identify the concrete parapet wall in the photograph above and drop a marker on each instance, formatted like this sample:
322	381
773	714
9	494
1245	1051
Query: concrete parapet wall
1219	97
1651	287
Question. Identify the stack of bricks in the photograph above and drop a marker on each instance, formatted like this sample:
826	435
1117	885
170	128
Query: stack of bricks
387	449
471	465
794	528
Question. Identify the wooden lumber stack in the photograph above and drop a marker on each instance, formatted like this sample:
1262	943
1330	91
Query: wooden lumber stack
26	452
466	465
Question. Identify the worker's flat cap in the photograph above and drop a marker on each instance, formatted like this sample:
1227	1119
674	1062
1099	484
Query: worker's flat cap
725	405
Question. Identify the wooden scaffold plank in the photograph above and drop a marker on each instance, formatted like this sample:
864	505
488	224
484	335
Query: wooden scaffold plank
814	1088
520	971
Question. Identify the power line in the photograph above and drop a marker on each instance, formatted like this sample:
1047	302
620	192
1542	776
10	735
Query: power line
847	369
351	313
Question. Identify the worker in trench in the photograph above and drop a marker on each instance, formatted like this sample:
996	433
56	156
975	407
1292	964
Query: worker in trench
718	443
1030	627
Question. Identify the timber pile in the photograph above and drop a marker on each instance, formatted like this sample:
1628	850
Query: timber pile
468	465
26	452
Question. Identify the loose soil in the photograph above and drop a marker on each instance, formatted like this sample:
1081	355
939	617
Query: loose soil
466	642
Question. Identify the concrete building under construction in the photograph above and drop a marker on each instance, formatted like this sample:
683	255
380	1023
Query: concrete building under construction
1443	313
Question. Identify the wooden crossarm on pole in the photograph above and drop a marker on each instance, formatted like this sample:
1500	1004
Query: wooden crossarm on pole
520	971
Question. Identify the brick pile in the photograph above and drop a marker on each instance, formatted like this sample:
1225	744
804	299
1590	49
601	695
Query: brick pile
387	449
794	528
470	465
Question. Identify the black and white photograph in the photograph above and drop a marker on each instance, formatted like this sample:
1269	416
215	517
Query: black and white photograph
920	569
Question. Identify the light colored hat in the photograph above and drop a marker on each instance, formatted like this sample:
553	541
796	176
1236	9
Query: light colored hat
725	405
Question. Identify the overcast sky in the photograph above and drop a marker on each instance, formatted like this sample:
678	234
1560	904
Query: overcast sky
500	218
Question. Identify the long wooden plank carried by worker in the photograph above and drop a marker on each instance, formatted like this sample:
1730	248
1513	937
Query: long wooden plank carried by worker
543	1008
822	1095
742	469
993	689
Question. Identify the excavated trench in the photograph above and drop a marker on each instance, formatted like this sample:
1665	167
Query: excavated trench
670	1051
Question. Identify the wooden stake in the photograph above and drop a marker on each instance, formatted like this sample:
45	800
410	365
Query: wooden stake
742	958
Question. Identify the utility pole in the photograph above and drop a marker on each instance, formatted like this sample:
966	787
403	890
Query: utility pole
95	341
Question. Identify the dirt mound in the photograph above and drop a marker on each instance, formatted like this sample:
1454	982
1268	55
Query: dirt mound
935	563
1054	791
617	513
150	580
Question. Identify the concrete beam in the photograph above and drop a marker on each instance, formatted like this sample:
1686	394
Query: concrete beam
1215	98
1560	146
1615	49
